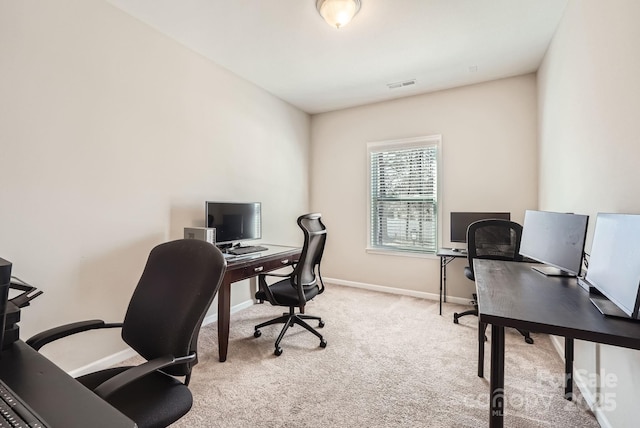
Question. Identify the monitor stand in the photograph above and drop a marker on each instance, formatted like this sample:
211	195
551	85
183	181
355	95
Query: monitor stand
552	271
609	309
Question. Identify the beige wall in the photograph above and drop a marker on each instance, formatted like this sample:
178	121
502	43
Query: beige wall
112	136
488	164
589	101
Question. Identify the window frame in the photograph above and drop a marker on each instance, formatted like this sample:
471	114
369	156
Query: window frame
404	144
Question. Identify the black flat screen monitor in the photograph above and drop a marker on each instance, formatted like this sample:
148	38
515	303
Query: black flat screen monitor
460	221
614	264
234	221
555	239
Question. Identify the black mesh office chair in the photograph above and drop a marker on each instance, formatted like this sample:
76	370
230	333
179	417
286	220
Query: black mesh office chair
494	239
301	285
162	324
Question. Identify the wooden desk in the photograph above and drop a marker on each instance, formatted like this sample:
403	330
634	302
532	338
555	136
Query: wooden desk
54	395
244	267
511	294
447	255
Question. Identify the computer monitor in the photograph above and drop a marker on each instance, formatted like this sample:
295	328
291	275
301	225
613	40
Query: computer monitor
460	221
555	239
234	221
614	264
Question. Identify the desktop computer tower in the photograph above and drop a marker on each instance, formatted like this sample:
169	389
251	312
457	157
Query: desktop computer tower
5	281
10	308
207	234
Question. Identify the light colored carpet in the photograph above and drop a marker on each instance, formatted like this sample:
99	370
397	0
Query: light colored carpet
391	361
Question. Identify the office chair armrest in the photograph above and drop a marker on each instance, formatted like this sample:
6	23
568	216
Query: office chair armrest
262	284
320	281
39	340
108	387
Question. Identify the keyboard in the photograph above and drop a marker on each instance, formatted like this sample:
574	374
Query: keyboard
14	412
239	251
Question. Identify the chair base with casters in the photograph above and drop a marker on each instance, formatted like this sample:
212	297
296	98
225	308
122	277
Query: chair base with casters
289	320
474	311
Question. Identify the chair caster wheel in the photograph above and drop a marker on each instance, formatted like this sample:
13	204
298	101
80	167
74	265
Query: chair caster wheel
320	324
323	343
455	318
528	340
277	352
257	333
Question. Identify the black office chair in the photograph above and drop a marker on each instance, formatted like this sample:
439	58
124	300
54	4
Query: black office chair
493	239
162	324
301	285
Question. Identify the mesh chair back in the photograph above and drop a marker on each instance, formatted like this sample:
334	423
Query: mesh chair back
494	239
315	235
171	299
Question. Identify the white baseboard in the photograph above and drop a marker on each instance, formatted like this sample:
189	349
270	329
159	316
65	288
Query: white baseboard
124	355
237	308
581	383
393	290
104	363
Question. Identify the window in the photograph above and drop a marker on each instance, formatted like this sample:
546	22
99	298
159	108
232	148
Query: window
403	199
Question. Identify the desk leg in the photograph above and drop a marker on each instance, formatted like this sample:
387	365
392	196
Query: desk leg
482	331
568	368
442	267
497	377
224	313
444	279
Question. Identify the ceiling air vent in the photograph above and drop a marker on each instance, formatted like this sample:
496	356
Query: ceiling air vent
404	84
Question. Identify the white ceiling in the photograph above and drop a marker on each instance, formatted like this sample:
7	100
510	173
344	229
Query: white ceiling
286	48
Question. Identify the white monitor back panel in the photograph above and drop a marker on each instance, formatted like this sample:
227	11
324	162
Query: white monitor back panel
614	263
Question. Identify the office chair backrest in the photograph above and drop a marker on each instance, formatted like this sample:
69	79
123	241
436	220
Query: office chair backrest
493	239
171	299
315	235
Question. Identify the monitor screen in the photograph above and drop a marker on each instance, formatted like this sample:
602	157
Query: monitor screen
555	239
460	221
614	263
234	221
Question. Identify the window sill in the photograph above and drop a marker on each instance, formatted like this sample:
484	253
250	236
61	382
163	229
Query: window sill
385	252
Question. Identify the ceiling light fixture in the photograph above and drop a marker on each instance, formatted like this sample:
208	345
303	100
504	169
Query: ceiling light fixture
338	13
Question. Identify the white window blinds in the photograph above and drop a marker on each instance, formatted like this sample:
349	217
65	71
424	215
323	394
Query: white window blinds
404	195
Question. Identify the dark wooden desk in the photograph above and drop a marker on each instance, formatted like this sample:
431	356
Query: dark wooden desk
244	267
54	395
447	255
511	294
